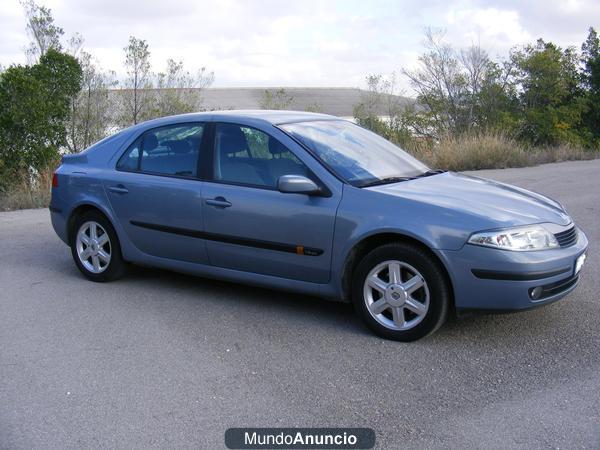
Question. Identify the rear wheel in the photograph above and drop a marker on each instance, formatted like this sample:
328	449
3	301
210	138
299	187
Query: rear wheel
400	292
95	247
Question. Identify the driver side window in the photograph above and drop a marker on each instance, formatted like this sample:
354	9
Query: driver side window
245	155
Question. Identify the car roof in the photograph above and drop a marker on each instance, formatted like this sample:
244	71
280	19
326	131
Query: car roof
273	117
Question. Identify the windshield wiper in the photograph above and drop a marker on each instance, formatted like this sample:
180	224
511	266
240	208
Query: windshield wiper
389	180
430	172
386	180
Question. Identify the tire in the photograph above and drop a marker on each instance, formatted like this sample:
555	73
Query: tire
389	304
96	267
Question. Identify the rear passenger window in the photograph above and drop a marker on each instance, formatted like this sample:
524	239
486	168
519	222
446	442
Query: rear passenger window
170	150
245	155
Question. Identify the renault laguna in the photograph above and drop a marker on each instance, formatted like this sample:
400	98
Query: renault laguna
317	205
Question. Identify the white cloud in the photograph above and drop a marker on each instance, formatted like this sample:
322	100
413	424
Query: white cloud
490	26
314	42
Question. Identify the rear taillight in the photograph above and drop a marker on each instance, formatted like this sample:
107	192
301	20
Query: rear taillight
54	180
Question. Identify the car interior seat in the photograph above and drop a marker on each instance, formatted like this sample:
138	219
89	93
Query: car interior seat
231	140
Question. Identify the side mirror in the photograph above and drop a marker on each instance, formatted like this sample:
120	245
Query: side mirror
297	184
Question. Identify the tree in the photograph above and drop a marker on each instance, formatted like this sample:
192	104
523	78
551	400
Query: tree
278	99
315	107
44	34
180	91
550	97
590	58
461	91
380	99
90	115
34	106
135	95
494	104
440	86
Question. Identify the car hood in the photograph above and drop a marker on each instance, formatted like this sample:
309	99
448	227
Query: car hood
494	203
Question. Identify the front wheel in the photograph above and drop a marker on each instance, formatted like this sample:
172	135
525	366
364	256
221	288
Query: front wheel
95	247
401	292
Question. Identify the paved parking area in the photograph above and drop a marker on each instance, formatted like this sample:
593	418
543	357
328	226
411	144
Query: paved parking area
164	360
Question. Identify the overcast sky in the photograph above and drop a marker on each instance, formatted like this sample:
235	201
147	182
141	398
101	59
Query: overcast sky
298	43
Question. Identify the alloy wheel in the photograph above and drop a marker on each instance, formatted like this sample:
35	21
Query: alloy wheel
93	247
396	295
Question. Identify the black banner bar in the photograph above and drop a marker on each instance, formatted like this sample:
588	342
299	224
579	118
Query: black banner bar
300	438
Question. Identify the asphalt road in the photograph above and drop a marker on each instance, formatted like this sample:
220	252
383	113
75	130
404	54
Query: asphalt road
165	360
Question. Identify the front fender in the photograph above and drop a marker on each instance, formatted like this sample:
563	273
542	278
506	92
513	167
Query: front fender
362	215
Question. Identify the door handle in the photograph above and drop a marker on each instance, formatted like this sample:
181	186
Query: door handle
118	189
219	202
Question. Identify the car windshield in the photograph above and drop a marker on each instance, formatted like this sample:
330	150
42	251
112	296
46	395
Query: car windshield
359	156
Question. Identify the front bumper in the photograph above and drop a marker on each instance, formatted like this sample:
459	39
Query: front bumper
491	279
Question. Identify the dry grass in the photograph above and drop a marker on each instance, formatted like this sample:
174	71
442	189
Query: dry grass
492	151
487	151
28	191
563	152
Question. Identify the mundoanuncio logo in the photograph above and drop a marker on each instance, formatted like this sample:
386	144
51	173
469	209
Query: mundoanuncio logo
300	438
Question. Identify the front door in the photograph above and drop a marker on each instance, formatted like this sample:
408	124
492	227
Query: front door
250	225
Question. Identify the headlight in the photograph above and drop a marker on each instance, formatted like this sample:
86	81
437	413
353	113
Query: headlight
532	237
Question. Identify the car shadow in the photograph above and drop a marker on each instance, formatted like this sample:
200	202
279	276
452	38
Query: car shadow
336	314
488	330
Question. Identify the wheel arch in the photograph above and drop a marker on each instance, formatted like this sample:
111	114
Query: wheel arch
368	243
81	209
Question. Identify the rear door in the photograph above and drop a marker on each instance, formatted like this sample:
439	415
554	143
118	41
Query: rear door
156	195
249	224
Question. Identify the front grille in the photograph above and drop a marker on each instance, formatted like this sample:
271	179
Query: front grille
567	238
